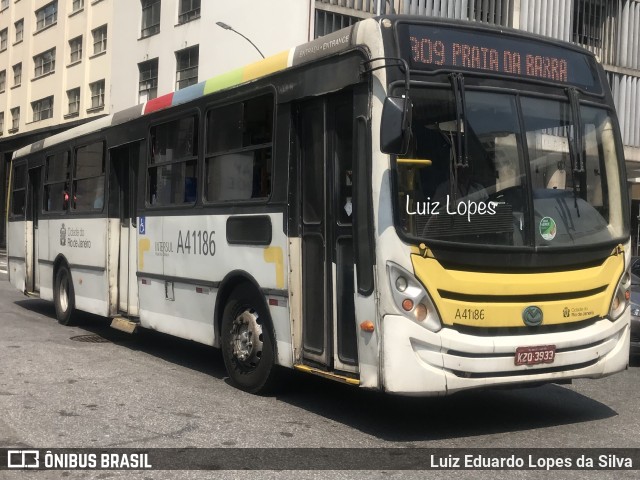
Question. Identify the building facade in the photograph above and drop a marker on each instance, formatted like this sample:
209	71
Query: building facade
170	44
54	64
65	62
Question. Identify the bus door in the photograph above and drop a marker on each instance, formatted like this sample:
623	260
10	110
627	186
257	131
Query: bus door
325	146
122	188
33	210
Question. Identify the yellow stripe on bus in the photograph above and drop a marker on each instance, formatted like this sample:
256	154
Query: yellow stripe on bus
478	310
266	66
275	255
144	245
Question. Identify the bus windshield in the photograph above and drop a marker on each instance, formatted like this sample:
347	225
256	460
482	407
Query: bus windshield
493	177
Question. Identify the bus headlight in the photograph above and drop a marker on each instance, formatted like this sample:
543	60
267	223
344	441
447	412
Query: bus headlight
411	298
621	297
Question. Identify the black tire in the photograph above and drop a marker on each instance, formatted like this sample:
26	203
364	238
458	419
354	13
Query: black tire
256	372
64	296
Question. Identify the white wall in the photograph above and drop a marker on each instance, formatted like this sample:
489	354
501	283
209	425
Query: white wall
273	25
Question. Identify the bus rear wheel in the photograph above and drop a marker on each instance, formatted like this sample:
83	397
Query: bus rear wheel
248	345
64	296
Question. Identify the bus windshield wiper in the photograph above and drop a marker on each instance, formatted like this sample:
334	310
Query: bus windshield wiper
457	84
459	158
575	145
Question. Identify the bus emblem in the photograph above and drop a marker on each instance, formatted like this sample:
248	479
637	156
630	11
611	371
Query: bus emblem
532	316
63	236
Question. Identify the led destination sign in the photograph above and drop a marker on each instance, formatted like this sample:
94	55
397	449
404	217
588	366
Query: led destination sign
433	48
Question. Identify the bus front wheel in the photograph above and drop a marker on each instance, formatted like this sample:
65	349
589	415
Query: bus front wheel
248	345
64	296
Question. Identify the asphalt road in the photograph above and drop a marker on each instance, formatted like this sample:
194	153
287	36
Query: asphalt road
152	390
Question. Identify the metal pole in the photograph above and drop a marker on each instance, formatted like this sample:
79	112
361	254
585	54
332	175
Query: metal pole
229	27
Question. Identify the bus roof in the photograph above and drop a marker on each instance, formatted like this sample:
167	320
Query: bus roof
335	42
325	46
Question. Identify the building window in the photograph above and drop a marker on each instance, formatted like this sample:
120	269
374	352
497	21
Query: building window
19	30
77	5
189	10
97	94
3	39
3	80
47	15
173	162
17	74
239	140
148	84
42	109
45	63
1	123
15	119
99	39
150	17
186	67
73	97
588	20
328	22
4	4
75	47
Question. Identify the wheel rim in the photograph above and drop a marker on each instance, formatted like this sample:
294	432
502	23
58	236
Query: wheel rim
246	339
64	292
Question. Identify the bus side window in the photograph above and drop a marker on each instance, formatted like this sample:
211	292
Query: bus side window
57	188
239	150
18	196
88	178
172	168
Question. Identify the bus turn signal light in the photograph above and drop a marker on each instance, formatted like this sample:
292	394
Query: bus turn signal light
407	304
367	326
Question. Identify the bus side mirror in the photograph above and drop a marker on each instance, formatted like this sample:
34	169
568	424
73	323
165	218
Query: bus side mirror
395	127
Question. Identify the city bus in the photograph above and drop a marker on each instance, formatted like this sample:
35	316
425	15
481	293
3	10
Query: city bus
411	205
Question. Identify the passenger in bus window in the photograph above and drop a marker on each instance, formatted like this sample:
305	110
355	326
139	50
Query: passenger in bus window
65	197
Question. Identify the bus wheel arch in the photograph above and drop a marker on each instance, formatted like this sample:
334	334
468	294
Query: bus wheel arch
245	334
63	291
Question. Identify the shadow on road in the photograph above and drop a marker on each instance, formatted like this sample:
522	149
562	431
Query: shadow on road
194	356
391	418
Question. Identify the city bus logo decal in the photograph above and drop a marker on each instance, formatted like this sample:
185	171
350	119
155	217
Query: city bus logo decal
532	316
63	236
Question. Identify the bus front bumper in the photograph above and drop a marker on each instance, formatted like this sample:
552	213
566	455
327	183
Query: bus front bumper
419	362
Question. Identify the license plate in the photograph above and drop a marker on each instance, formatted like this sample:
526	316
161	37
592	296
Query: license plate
535	355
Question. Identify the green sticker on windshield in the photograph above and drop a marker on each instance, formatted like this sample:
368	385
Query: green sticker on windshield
548	228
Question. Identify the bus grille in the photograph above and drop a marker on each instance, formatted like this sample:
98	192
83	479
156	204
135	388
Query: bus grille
523	330
577	366
531	298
